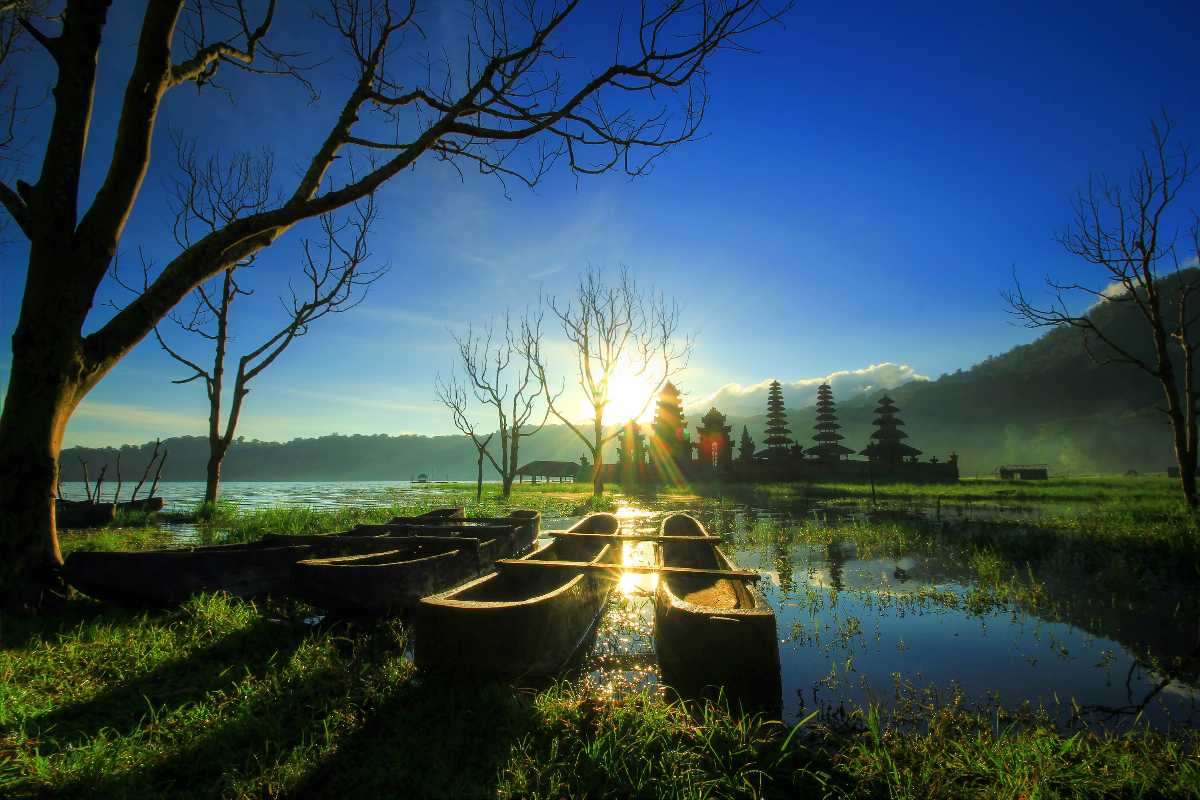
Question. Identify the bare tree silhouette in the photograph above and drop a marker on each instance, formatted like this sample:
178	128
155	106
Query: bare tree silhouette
1126	230
606	324
506	106
501	376
334	281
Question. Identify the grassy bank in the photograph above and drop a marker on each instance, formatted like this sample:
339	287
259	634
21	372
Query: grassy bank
224	698
1055	490
226	523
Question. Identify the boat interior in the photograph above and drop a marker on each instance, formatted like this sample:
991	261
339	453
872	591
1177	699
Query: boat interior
512	584
409	548
704	590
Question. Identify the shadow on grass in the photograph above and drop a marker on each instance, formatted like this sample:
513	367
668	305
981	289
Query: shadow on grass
344	717
249	652
434	738
18	632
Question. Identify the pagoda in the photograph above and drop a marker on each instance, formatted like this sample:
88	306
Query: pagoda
670	446
715	447
777	439
827	436
631	452
631	444
885	446
746	447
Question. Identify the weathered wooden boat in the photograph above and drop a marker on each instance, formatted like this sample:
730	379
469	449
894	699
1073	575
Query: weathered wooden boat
525	618
447	524
159	578
86	514
712	632
83	513
145	504
431	559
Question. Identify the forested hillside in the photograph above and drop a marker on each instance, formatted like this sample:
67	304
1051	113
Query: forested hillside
1045	402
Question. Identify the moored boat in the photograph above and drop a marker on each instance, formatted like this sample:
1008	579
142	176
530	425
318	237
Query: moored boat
447	523
158	578
713	632
523	619
83	513
87	514
388	582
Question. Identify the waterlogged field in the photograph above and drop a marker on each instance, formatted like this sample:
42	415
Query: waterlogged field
898	615
987	639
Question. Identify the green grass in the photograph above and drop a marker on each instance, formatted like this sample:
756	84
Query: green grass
224	698
1054	490
227	698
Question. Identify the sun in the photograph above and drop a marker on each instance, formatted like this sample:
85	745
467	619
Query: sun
628	391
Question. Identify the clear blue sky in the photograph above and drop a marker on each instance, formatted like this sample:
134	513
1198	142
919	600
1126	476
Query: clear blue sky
866	185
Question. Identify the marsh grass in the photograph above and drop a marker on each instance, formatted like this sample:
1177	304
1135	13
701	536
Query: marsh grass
1089	489
226	698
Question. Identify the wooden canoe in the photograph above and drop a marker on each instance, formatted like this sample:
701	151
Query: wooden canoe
531	521
713	632
83	513
159	578
519	622
433	560
86	514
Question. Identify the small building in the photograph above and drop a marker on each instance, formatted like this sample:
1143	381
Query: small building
1023	472
549	470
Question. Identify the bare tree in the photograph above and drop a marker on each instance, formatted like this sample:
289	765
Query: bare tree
332	272
505	106
512	389
454	397
608	325
1128	232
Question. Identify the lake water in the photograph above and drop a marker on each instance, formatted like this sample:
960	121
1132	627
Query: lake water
184	496
896	631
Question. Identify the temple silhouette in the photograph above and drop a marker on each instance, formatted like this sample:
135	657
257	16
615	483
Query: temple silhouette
666	452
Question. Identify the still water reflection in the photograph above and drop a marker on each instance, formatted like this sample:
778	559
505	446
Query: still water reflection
901	630
857	628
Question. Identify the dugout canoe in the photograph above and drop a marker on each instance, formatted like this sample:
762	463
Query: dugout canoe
160	578
448	525
518	621
432	560
712	632
83	513
86	514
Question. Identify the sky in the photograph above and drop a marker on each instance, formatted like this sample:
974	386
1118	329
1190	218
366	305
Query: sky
867	183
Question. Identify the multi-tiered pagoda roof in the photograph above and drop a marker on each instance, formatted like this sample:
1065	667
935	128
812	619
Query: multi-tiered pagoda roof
827	427
886	444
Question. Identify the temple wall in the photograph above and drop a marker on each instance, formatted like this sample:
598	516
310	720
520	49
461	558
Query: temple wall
807	470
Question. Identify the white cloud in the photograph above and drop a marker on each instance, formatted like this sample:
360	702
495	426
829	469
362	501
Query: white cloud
1113	290
131	415
739	400
406	318
337	402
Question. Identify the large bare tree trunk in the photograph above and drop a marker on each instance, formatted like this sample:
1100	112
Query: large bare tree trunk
479	477
598	460
42	393
212	476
